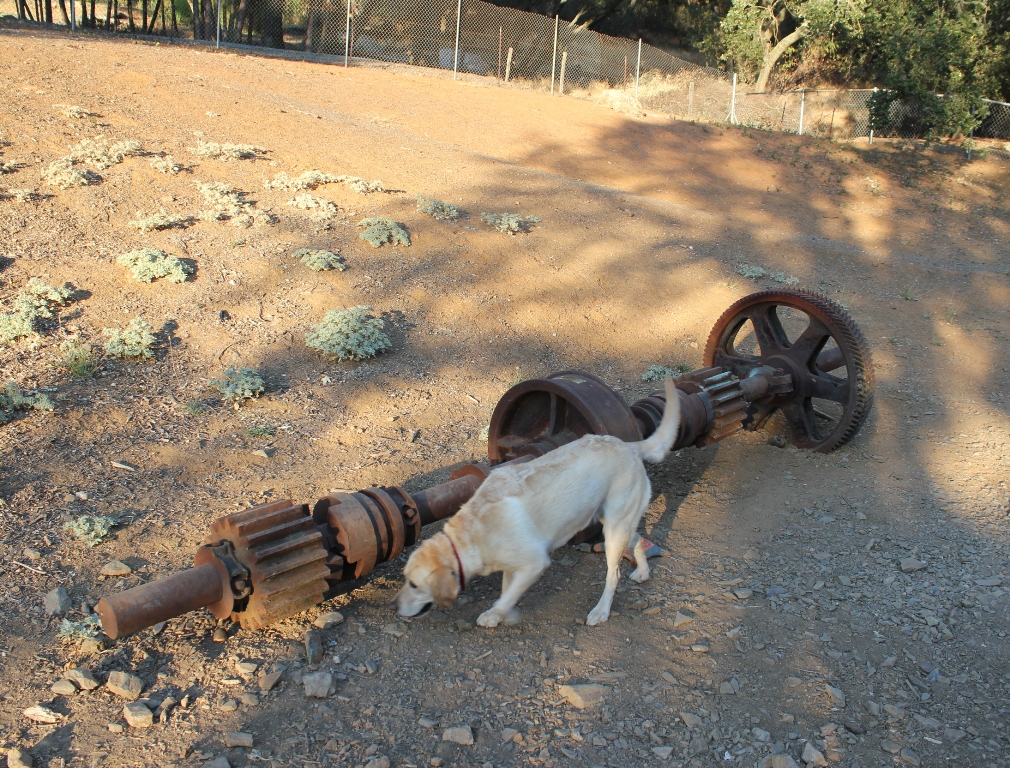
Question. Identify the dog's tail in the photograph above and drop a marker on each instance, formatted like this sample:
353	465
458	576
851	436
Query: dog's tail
657	445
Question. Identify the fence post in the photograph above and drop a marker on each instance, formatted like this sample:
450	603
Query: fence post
554	56
561	79
455	58
803	100
871	121
501	31
731	117
73	17
217	45
690	98
638	66
508	64
347	36
625	73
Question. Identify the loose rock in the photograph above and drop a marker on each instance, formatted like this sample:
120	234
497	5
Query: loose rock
582	696
911	565
427	722
267	682
330	619
458	735
812	756
890	747
64	688
682	617
125	685
18	758
663	753
249	699
57	602
116	568
313	647
378	762
691	721
238	739
777	761
218	762
910	757
836	695
318	685
83	679
42	714
137	715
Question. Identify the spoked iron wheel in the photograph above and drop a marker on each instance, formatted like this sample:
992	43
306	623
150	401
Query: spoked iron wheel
813	339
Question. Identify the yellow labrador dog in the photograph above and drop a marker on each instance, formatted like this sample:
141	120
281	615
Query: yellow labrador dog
523	512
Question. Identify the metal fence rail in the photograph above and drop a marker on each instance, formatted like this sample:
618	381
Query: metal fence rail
518	48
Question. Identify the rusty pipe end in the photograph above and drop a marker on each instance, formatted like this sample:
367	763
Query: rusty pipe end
148	604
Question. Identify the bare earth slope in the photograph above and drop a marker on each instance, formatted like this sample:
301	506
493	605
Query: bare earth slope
787	564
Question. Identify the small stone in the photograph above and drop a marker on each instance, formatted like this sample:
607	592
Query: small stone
812	756
63	688
250	699
435	762
663	753
378	762
18	758
460	734
582	696
777	761
702	646
313	647
836	695
238	739
427	722
911	565
116	568
161	712
57	602
508	734
729	687
954	734
83	679
32	554
246	669
792	682
69	497
463	625
691	721
220	635
371	667
267	682
743	594
896	712
137	715
125	685
92	645
318	685
761	734
218	762
910	757
263	453
682	617
228	705
396	629
329	619
890	747
992	581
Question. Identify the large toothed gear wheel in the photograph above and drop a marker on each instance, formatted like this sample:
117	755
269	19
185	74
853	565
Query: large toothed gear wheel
815	341
285	557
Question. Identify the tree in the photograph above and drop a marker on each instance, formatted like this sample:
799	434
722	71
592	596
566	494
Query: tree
756	33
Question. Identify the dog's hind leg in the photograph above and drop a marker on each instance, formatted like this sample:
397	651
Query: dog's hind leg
518	582
641	573
616	540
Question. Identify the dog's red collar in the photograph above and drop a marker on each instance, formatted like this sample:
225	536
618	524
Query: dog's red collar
462	576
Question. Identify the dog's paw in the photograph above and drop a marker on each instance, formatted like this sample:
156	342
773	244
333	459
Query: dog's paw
513	617
639	575
489	619
597	616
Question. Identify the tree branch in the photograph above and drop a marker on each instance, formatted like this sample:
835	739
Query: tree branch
772	56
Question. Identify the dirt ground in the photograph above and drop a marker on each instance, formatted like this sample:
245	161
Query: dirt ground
785	563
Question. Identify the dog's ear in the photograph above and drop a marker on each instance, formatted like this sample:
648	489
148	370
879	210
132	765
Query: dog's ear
444	583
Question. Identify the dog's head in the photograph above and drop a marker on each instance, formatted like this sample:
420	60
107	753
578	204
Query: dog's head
431	575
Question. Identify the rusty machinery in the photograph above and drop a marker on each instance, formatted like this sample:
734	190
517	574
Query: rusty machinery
792	351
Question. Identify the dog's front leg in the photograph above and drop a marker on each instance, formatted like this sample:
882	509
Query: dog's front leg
514	586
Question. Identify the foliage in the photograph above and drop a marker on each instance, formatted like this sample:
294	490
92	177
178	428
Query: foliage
319	261
130	343
73	112
308	180
91	529
166	164
31	307
230	204
161	220
88	627
82	360
149	264
239	385
660	372
100	154
437	209
63	174
12	399
510	223
320	209
208	150
351	334
259	432
755	272
360	185
379	231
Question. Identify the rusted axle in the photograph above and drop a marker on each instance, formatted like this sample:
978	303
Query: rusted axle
275	560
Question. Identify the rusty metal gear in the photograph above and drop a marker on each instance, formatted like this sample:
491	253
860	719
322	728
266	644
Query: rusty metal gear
804	337
285	557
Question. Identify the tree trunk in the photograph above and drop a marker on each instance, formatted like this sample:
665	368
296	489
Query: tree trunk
273	23
66	16
236	36
774	54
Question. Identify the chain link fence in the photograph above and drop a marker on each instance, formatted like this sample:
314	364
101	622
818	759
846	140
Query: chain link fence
518	48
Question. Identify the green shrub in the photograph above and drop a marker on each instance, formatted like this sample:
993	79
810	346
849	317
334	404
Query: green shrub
149	264
100	154
239	385
130	343
161	220
319	208
90	529
510	223
659	372
360	185
230	204
82	360
62	173
319	261
33	305
351	334
308	180
166	164
381	230
437	209
12	399
208	150
88	627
